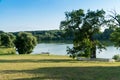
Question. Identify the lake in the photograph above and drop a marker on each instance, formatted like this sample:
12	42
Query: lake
60	49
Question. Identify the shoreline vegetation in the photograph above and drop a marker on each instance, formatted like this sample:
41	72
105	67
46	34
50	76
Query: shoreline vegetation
53	67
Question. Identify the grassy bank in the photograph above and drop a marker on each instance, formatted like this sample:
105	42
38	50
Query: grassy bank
7	51
43	67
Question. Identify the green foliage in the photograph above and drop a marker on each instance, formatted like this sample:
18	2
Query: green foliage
7	39
115	37
53	35
7	51
62	35
84	26
116	57
25	42
106	34
71	52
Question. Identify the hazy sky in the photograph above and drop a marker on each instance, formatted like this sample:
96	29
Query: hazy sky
22	15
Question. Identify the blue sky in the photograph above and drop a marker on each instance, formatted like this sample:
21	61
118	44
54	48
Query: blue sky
27	15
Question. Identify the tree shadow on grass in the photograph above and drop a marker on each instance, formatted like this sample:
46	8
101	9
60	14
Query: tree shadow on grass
36	61
70	73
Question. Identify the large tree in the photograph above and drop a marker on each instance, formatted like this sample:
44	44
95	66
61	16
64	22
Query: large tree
25	42
84	26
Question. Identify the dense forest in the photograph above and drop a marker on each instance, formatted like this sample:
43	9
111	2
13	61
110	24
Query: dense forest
49	35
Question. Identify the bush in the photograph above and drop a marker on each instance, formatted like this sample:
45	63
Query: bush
116	57
12	52
25	42
71	52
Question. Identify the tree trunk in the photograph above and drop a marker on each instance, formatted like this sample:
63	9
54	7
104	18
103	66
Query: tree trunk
93	52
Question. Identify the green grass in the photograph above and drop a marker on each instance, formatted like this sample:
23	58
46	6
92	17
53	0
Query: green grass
6	51
44	67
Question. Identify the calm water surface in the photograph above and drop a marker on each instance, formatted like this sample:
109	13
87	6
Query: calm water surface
60	49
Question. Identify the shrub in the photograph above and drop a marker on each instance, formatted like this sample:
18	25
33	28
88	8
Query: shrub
71	52
25	42
12	52
116	57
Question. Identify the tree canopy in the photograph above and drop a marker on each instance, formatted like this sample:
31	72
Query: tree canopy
7	39
115	36
84	26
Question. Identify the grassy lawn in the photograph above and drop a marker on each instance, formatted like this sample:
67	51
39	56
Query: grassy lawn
44	67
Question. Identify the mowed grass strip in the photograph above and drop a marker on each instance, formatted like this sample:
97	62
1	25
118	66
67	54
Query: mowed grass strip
44	67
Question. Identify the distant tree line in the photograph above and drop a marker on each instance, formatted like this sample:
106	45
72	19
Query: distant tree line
103	36
56	35
53	35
